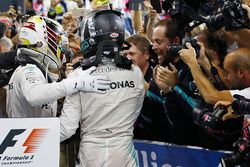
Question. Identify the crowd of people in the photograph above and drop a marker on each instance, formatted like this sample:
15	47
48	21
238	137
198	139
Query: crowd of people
114	71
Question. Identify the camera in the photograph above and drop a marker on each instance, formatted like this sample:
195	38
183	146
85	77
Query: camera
232	16
229	13
241	105
240	156
174	49
185	14
212	121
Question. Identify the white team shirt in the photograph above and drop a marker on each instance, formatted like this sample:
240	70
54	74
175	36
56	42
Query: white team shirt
106	120
99	114
29	94
244	92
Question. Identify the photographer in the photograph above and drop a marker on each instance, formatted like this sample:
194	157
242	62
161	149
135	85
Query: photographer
155	122
237	72
181	129
210	58
231	15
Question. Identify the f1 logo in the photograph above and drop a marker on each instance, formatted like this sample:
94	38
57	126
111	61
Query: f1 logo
8	141
31	143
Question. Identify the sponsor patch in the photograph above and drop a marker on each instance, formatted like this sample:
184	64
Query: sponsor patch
114	35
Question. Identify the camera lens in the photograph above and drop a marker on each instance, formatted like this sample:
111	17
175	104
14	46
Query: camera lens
173	50
241	106
215	23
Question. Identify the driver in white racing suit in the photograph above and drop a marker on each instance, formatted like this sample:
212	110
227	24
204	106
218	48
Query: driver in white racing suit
106	120
32	92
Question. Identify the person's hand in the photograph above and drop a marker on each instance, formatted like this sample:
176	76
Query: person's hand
86	82
203	60
69	68
202	57
230	113
167	75
153	16
162	85
247	8
147	4
12	11
188	55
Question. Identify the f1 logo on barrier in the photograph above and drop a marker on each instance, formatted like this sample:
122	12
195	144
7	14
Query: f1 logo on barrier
32	142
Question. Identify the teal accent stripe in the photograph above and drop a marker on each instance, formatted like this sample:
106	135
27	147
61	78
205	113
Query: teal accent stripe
154	96
133	154
189	99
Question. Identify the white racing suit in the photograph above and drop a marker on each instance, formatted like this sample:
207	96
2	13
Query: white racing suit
106	120
22	102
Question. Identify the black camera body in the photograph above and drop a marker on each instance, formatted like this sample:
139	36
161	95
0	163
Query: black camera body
212	121
232	16
240	156
229	14
241	105
174	49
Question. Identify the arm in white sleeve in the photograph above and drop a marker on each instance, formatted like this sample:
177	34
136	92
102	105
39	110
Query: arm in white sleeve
35	90
245	92
70	116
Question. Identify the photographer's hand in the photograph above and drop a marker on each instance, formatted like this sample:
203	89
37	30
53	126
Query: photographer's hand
168	76
203	60
230	112
188	55
162	85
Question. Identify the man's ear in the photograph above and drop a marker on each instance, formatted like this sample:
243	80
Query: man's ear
147	55
241	72
215	58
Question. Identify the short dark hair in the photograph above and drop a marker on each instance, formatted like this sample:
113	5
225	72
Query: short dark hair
172	29
216	41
